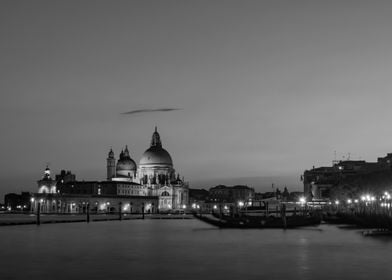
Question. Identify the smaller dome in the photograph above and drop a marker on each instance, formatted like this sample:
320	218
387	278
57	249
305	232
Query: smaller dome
125	168
126	164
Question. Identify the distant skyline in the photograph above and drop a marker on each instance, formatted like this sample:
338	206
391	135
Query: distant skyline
238	89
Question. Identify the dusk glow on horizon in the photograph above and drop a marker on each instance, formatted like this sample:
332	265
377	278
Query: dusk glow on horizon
237	89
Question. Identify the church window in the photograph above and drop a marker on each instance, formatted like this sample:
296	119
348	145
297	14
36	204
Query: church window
165	193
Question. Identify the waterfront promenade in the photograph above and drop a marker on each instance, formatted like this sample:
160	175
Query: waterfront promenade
27	219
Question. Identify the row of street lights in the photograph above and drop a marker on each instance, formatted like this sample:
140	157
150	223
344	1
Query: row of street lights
368	199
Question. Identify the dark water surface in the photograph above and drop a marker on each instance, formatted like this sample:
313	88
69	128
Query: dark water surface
189	249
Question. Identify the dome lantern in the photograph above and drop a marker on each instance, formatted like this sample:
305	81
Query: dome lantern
156	139
126	151
47	172
111	153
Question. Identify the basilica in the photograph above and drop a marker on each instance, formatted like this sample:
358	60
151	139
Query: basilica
152	186
155	173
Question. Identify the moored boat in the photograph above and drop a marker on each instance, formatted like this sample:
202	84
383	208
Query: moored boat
260	222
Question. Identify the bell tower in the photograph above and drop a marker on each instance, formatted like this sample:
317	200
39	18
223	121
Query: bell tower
111	165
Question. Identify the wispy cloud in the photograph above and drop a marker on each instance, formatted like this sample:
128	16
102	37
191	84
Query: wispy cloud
150	110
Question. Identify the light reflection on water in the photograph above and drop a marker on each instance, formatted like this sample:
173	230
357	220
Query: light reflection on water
188	249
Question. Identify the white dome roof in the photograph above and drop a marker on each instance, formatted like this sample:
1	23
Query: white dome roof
156	155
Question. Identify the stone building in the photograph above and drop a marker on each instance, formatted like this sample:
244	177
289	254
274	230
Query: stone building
153	185
233	194
321	181
17	202
155	174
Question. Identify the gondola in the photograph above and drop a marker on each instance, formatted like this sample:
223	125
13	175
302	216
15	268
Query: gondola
260	222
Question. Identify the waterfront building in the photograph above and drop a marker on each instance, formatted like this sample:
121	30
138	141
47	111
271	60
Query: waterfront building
65	176
220	198
321	182
155	174
198	196
229	194
17	202
153	185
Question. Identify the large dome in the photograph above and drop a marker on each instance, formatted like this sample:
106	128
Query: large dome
156	156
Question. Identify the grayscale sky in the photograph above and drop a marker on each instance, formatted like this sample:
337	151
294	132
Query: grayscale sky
263	88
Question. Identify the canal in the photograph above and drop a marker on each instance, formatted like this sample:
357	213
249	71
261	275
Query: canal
189	249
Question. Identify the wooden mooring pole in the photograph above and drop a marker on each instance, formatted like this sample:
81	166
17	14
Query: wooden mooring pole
88	213
119	211
283	213
39	214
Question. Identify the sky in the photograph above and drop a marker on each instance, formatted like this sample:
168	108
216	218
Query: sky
258	88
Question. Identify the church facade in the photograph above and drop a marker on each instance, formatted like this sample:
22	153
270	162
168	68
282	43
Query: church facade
155	174
152	186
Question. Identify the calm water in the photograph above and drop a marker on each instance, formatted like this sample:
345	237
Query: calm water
189	249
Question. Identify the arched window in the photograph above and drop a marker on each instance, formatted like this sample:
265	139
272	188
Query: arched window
165	193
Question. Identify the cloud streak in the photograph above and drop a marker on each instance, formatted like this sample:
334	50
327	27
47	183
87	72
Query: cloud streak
139	111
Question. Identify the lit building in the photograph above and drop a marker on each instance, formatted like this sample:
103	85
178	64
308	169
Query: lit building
319	183
17	202
155	174
47	184
152	185
234	194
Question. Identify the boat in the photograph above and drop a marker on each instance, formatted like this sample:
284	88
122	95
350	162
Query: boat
267	213
377	232
260	222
